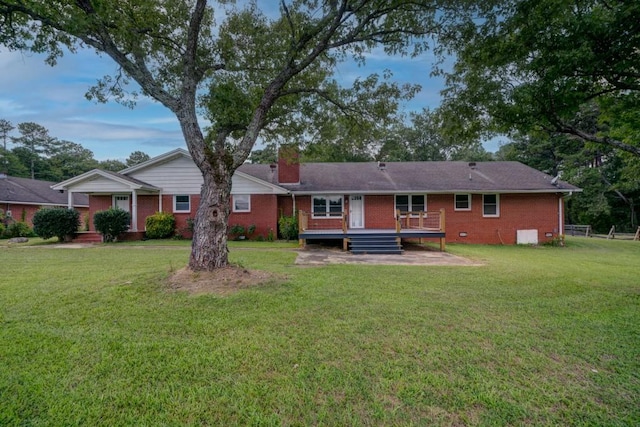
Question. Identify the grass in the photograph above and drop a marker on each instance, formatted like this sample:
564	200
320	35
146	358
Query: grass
535	336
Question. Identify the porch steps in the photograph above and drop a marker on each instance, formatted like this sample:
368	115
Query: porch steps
375	244
88	237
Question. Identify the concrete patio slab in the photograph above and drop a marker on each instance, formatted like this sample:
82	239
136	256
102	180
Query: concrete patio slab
323	256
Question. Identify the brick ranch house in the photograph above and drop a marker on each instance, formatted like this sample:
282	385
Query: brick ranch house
21	198
484	202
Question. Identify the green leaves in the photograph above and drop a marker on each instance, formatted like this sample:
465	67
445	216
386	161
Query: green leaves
541	62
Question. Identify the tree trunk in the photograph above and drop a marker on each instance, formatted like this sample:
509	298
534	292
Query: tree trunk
209	246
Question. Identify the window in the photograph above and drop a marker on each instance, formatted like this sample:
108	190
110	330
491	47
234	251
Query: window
411	203
462	202
242	203
181	203
327	206
490	205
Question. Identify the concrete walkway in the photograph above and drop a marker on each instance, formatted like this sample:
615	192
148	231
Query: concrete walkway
323	256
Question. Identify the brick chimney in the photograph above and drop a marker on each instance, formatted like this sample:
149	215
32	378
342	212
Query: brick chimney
289	164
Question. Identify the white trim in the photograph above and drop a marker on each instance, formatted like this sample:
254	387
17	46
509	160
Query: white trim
178	152
452	191
134	211
174	203
328	207
362	211
233	203
560	216
276	189
455	204
410	206
497	214
65	185
115	205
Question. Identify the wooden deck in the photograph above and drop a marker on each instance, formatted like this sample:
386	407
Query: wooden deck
418	225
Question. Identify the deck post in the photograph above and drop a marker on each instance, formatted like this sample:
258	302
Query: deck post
398	224
345	244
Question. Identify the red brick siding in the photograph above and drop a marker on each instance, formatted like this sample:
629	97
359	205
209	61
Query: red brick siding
303	203
285	205
379	211
147	206
98	203
264	215
288	165
28	211
517	212
181	217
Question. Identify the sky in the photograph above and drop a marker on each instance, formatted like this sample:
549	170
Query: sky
54	97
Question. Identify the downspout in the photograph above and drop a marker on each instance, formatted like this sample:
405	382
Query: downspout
160	201
69	199
561	213
293	198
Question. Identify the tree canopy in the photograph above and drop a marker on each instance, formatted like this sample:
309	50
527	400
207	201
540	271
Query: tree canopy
535	64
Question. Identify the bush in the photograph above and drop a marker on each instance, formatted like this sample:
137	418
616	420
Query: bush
56	222
1	230
288	227
18	229
111	223
160	225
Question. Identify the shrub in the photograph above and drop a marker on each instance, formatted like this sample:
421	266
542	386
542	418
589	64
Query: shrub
18	229
111	223
160	225
236	231
56	222
1	230
288	227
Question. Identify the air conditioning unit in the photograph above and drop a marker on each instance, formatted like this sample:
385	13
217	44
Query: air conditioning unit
8	214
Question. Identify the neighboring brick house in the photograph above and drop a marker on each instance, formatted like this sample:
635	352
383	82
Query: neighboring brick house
483	202
20	198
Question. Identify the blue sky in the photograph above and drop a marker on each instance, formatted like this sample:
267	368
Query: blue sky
32	91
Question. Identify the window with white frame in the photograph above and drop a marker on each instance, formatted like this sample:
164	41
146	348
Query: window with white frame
242	203
411	203
462	202
490	205
181	203
327	206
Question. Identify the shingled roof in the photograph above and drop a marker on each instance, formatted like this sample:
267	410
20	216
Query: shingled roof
33	192
415	177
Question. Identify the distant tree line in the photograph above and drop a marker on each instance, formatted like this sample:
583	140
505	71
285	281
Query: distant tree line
29	151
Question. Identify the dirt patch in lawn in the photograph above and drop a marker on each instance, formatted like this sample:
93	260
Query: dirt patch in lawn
223	281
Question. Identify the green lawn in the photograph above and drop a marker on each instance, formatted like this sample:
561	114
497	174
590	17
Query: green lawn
536	336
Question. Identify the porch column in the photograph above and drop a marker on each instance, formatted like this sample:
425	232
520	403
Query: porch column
134	210
69	199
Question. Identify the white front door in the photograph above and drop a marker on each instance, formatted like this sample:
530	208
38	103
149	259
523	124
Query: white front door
356	211
121	202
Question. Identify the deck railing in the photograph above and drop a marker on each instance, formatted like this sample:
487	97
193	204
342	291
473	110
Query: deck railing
429	221
306	222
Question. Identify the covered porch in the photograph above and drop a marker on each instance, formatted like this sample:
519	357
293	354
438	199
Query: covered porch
408	225
113	190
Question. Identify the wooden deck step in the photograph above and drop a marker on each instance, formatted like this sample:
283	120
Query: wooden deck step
375	244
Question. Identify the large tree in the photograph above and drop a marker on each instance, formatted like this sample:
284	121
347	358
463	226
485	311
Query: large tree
37	142
528	65
257	73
